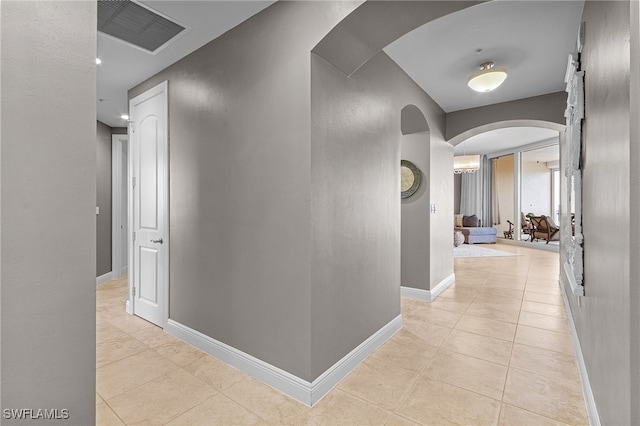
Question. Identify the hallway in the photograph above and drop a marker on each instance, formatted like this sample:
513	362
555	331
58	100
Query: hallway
494	348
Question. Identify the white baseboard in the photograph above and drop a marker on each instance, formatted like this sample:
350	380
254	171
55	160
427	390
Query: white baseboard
590	402
127	307
297	388
428	295
104	278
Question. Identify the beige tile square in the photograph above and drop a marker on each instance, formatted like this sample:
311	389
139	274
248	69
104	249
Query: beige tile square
470	282
552	299
451	305
548	322
543	308
162	399
214	372
379	383
179	352
536	281
544	396
128	373
340	408
396	420
500	302
106	331
432	315
508	293
487	348
130	323
510	416
405	350
494	312
544	289
487	327
505	284
460	294
154	336
432	402
116	349
269	404
476	375
547	363
217	410
545	339
99	399
518	277
433	335
106	417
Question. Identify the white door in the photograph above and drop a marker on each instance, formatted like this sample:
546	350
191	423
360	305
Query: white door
148	147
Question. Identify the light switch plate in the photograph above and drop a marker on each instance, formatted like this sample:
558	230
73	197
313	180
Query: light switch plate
97	210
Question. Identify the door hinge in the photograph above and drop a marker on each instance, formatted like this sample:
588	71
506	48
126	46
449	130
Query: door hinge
133	291
134	235
133	180
133	130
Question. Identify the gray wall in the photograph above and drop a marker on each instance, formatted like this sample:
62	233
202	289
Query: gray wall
103	199
285	229
441	187
355	169
634	212
103	195
47	217
603	319
240	207
542	109
415	215
457	188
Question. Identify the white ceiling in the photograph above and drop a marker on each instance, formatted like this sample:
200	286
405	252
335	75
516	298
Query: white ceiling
542	155
124	66
532	39
506	140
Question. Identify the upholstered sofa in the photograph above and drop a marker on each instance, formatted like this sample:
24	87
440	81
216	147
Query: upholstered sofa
473	231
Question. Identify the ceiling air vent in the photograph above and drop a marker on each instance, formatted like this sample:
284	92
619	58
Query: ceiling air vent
135	24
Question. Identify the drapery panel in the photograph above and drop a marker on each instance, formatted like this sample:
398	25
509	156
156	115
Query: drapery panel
475	192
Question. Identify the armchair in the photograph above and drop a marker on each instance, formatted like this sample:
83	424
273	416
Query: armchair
544	228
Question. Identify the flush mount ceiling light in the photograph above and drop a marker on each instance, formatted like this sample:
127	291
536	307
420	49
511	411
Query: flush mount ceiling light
488	78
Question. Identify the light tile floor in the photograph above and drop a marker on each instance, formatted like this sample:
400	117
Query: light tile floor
492	349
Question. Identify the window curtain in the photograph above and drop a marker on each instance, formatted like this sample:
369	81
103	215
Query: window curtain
495	201
475	193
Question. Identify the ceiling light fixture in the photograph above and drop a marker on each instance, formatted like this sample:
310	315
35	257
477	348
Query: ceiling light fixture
488	78
124	116
98	61
466	163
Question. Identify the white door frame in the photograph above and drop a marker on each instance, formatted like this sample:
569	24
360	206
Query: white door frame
117	219
163	90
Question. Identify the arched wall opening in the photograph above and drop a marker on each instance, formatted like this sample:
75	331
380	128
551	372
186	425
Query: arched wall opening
524	177
415	232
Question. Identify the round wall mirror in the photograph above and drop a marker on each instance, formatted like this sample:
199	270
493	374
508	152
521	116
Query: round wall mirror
409	178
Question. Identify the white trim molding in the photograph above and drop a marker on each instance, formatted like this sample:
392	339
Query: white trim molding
428	295
590	402
104	278
118	144
306	392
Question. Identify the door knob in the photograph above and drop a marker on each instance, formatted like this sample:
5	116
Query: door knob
157	241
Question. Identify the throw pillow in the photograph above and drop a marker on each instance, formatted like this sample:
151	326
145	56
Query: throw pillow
458	220
470	221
